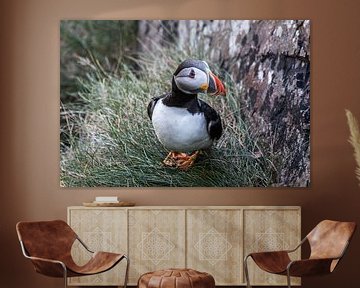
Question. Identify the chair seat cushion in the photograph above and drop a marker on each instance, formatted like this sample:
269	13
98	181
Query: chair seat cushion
176	278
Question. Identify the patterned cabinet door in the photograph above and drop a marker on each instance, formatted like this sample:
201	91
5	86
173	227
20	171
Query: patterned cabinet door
214	244
156	240
101	230
269	230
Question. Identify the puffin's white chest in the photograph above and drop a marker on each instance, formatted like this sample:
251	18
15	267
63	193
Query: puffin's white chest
179	130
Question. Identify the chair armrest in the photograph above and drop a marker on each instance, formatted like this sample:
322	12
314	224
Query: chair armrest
309	267
298	246
84	245
46	260
268	253
49	267
280	251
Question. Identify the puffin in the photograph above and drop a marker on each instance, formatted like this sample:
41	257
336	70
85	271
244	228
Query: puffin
184	124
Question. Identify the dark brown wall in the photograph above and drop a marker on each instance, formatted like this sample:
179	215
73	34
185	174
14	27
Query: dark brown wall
29	110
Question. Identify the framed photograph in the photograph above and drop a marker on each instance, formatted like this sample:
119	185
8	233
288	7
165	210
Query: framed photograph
185	103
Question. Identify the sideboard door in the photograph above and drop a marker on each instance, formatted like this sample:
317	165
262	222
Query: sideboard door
214	244
101	230
156	240
270	229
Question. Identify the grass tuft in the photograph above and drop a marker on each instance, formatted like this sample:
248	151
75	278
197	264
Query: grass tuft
111	142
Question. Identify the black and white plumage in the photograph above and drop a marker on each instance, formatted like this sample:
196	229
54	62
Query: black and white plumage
182	122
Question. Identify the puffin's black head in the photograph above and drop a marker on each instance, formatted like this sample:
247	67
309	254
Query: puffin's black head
194	76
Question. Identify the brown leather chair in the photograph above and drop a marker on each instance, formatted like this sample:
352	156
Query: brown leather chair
328	242
48	245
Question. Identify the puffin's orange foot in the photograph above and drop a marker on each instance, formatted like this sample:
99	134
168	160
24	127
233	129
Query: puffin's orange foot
170	159
187	161
180	160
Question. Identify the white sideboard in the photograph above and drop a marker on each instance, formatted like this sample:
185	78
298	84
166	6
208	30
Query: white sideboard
212	239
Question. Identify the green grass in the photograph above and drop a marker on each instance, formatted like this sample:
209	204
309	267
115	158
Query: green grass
111	142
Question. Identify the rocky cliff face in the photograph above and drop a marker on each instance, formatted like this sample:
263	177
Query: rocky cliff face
270	63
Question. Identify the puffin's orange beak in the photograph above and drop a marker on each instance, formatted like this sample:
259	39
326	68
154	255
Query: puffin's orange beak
216	87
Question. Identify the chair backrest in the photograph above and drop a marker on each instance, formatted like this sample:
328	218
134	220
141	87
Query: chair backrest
46	239
329	239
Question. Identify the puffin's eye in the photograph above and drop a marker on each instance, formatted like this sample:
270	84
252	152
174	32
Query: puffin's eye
192	73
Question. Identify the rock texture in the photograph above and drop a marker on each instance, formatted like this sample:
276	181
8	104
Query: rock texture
270	62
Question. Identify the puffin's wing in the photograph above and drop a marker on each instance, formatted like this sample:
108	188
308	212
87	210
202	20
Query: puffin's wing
152	104
213	120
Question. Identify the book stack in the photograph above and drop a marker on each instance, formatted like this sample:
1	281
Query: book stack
106	199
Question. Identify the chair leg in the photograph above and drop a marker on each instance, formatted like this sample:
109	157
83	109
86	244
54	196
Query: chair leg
65	275
246	270
127	271
288	278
